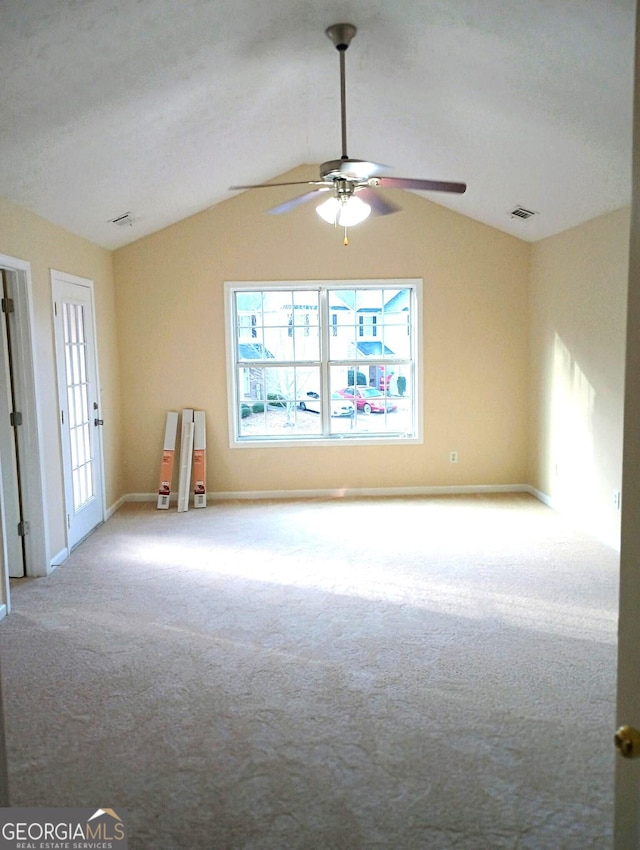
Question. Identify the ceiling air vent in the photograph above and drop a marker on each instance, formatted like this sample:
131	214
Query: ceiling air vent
521	212
122	220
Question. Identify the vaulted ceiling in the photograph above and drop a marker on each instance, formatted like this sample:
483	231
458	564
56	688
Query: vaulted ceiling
156	107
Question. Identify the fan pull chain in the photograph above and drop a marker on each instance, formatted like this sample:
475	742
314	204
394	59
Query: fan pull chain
346	238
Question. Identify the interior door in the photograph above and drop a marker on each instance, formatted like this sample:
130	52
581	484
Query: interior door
627	797
79	402
10	436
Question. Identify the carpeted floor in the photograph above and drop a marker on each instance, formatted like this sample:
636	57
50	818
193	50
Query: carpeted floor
406	674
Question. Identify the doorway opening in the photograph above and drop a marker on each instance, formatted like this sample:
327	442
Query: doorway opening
22	527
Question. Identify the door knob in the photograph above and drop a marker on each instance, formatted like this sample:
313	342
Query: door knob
627	740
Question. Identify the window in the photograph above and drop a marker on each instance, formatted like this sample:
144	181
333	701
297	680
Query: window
322	362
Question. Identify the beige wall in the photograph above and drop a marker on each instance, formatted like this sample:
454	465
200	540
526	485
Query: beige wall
172	342
45	246
523	348
578	311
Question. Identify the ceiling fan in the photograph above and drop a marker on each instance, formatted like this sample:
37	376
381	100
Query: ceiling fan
352	182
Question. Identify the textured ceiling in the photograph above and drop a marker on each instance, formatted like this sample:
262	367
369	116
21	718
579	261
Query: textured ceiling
156	107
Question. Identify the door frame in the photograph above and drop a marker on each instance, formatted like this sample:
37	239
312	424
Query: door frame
26	386
59	277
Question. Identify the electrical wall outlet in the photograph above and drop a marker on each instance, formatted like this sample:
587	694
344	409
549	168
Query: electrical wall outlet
453	457
616	499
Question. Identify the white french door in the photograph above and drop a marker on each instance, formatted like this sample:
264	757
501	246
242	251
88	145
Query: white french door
79	402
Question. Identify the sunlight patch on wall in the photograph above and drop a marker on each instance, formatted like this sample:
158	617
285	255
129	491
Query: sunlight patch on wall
573	472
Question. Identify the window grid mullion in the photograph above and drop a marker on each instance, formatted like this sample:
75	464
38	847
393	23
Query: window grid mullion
325	382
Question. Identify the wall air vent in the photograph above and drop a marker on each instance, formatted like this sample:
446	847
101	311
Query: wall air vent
521	212
122	220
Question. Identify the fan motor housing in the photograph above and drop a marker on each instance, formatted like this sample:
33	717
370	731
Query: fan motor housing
351	168
332	168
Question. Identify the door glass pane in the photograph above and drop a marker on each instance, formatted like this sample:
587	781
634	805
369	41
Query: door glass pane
78	404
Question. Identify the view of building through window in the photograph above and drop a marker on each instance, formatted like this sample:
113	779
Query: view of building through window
323	361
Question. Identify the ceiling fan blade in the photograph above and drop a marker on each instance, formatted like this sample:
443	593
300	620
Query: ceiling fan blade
378	204
413	183
269	185
295	202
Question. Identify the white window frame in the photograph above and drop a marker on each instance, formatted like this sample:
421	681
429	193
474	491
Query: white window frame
236	441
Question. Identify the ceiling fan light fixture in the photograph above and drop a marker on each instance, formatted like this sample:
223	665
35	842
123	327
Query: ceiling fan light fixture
345	213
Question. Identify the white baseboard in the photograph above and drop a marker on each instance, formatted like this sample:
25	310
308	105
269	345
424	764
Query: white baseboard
255	495
116	506
542	497
58	559
362	492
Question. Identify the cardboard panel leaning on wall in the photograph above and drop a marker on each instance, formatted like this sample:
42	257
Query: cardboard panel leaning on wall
46	246
171	326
